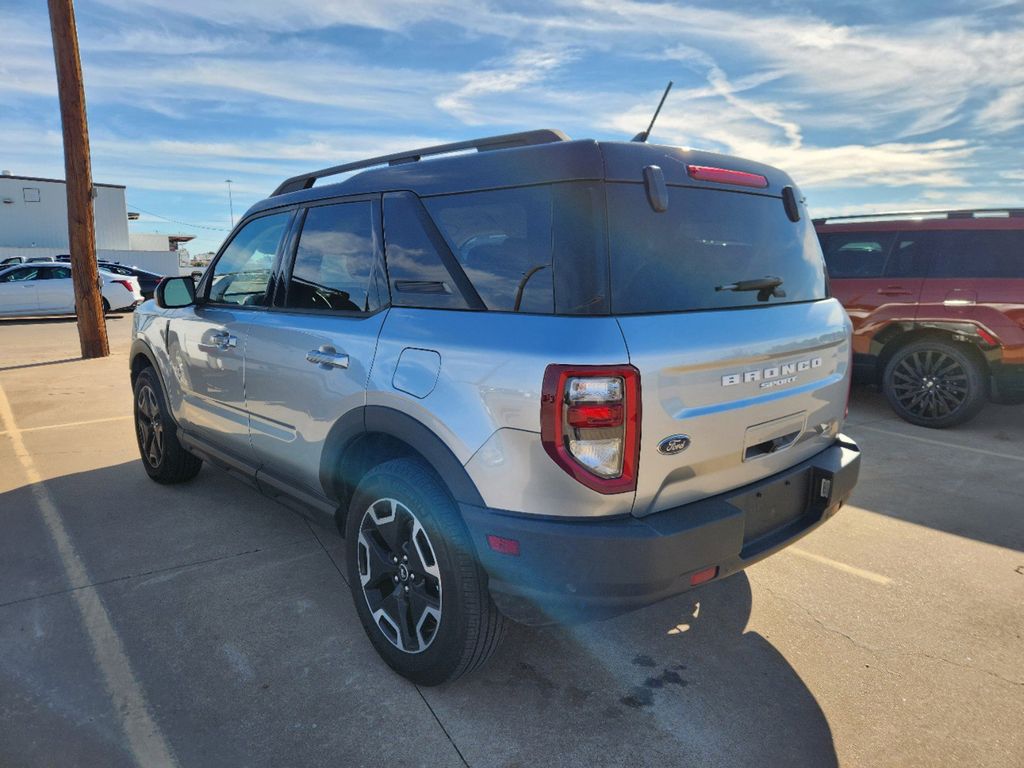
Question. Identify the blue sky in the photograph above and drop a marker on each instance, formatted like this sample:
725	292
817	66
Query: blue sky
870	106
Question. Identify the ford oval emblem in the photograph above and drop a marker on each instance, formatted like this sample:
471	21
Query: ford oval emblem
674	444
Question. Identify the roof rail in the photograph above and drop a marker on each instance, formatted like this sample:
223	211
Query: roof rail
966	213
523	139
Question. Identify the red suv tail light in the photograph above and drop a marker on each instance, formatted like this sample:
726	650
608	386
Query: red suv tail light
590	423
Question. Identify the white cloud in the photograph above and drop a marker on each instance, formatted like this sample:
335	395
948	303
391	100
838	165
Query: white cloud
524	69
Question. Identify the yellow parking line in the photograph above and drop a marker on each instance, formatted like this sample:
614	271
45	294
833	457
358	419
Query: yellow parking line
869	575
146	741
67	424
942	444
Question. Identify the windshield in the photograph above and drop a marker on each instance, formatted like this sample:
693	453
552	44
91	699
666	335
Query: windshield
700	253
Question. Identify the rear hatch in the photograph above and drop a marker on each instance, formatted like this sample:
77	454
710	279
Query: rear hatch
736	384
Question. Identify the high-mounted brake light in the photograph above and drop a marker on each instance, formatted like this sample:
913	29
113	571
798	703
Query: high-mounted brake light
590	423
726	176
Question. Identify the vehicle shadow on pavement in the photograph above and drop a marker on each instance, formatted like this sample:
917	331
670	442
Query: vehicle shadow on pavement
678	683
56	320
227	602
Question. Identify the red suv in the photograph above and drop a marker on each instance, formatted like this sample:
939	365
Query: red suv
937	304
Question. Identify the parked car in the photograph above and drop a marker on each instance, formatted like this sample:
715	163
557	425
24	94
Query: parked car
147	280
12	260
45	288
937	304
549	380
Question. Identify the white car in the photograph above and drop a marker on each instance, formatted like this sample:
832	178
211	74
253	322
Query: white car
45	288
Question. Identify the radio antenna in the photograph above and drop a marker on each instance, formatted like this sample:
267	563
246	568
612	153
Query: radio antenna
642	136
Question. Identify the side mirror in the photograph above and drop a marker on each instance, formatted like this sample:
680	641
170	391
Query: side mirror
197	275
175	292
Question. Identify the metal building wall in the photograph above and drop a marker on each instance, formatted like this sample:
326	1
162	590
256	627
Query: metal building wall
34	213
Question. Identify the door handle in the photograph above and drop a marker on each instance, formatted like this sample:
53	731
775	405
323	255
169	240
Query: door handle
327	357
224	340
893	290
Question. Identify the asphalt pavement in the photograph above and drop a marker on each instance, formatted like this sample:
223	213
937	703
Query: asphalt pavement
205	625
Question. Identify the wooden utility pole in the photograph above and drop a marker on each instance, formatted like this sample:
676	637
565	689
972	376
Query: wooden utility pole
92	327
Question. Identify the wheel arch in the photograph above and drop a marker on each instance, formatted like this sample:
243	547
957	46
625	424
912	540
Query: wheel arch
898	335
141	356
368	436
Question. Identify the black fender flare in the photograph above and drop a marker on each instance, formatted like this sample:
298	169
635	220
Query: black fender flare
140	347
381	420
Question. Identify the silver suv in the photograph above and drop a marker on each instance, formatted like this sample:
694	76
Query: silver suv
546	380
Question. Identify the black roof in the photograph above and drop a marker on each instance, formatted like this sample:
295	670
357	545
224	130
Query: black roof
554	159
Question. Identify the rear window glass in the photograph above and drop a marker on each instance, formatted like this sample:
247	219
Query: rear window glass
965	253
502	239
674	261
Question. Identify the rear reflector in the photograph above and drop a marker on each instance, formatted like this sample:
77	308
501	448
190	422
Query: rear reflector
726	176
502	545
987	337
701	576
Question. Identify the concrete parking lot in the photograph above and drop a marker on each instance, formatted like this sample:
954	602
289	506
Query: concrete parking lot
204	625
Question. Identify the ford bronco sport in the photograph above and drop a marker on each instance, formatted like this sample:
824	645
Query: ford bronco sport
545	380
937	304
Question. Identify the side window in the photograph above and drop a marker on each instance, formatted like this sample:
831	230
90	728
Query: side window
19	275
242	272
977	253
502	239
856	254
416	267
57	273
334	261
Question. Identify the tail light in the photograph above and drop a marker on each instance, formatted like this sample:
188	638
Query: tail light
590	423
126	283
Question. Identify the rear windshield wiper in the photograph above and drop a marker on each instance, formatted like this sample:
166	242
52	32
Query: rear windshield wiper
766	287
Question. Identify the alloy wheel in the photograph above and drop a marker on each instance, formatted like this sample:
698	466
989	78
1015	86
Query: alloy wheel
150	426
399	573
930	384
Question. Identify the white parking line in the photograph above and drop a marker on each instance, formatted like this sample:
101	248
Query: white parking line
67	424
941	444
147	743
869	575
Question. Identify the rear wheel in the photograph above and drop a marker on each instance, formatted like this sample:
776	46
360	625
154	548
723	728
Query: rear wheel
164	458
420	593
935	383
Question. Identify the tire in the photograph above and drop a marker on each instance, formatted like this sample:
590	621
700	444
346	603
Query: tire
935	383
431	623
106	307
164	458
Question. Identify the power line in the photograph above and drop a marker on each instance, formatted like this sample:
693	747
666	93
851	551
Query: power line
176	221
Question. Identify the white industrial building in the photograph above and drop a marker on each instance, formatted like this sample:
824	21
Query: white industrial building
34	222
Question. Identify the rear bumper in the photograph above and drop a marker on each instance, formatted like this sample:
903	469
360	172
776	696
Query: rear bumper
583	569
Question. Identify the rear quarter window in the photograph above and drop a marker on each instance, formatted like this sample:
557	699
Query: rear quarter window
969	253
674	261
502	239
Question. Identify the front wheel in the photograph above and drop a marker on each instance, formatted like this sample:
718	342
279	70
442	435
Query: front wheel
935	383
419	591
164	458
